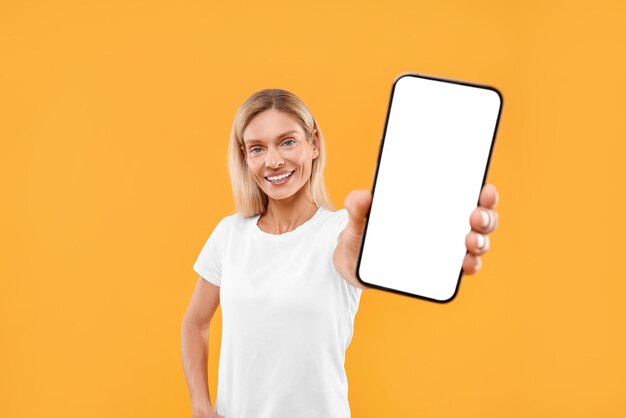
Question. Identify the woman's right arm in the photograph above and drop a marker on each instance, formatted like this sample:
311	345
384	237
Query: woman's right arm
194	346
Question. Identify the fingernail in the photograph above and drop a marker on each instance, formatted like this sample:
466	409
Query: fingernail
481	241
485	219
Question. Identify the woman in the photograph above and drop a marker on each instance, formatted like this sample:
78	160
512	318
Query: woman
283	268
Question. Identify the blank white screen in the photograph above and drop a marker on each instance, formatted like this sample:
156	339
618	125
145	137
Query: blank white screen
435	152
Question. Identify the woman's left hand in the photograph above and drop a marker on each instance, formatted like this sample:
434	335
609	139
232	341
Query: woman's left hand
483	221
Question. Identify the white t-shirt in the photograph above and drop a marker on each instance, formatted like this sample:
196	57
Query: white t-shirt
287	318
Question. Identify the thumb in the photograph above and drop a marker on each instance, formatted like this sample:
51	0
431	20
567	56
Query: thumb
358	204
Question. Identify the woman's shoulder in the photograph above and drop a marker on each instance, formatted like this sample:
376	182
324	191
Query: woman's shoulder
336	217
335	213
235	220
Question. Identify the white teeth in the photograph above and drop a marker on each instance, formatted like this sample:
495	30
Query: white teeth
279	177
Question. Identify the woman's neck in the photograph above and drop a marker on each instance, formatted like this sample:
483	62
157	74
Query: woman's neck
286	215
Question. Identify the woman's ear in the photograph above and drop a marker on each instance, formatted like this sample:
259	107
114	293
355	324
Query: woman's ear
315	142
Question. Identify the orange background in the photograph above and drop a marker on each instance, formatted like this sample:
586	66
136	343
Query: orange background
114	120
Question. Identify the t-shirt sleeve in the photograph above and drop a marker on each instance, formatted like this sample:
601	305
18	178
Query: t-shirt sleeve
341	222
340	225
209	262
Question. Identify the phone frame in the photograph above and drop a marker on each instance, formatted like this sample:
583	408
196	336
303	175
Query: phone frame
380	151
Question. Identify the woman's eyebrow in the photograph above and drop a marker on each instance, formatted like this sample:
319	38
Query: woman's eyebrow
247	141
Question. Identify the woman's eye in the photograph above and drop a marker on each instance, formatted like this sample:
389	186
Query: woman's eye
288	143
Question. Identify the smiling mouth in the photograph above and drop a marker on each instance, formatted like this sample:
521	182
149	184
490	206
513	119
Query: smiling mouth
276	179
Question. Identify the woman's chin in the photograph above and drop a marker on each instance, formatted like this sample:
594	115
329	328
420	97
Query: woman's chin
280	194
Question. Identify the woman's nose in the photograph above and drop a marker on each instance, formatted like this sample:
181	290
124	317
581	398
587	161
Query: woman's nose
273	159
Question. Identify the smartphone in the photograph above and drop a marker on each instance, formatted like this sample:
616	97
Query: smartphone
432	164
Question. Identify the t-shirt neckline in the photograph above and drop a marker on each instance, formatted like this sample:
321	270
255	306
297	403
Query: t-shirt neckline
296	231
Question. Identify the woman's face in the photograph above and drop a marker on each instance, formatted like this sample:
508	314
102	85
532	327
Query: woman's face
275	146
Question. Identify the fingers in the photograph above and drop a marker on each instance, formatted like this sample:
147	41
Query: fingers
477	243
471	264
484	220
488	197
358	203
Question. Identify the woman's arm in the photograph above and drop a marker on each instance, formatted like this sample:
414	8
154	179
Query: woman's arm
344	263
347	250
194	345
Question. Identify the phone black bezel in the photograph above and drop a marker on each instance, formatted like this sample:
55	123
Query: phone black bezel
493	140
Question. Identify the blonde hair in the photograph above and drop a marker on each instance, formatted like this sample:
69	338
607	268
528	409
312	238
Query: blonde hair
250	200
